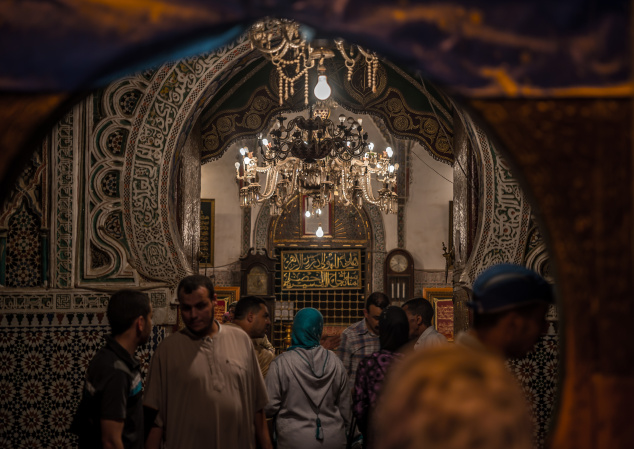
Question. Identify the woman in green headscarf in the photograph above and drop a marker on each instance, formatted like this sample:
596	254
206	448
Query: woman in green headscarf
308	392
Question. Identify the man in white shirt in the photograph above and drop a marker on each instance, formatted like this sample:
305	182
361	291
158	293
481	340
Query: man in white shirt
420	314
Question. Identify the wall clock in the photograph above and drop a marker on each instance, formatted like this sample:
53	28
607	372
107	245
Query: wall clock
257	278
399	275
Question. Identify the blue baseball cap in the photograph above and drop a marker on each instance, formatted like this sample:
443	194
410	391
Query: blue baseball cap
507	286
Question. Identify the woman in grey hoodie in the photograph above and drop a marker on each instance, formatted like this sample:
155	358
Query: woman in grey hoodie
308	393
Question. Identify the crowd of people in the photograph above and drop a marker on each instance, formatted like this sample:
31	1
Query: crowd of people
393	381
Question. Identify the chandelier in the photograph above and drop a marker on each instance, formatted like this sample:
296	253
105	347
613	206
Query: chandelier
325	160
284	44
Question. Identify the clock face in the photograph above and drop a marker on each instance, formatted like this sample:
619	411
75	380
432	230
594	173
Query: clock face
399	263
257	281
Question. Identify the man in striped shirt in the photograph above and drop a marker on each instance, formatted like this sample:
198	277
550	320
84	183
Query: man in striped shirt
362	338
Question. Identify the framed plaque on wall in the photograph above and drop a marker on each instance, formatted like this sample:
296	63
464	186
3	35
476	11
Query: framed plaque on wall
207	219
442	301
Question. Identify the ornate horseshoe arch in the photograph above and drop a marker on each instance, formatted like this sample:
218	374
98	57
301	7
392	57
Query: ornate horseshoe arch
169	107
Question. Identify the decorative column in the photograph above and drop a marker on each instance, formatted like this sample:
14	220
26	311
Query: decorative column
461	231
246	230
64	201
403	151
3	257
44	238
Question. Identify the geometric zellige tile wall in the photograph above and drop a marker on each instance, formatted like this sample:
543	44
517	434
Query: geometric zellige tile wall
537	374
41	377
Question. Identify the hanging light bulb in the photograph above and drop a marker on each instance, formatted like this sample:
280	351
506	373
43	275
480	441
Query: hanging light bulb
320	232
322	89
389	151
307	214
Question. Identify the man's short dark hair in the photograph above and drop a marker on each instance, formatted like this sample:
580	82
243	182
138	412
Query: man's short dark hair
192	283
124	307
247	305
381	300
422	308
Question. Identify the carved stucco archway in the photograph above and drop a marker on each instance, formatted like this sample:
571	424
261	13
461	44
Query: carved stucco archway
504	214
167	112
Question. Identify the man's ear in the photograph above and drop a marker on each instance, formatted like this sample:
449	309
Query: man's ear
250	317
140	323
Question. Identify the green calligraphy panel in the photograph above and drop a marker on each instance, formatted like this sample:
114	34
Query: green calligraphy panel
321	269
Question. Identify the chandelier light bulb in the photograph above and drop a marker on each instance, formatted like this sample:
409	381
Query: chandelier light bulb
320	232
322	89
307	214
247	160
243	151
370	146
237	164
389	151
318	211
265	142
391	169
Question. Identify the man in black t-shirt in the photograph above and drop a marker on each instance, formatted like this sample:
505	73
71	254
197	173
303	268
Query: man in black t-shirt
110	414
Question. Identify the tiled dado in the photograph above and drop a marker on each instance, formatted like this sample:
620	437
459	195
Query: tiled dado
64	308
41	378
65	300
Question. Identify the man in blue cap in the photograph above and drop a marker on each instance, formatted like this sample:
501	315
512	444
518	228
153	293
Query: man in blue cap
509	304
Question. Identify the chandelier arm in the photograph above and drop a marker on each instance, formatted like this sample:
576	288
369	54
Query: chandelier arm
366	186
345	187
271	182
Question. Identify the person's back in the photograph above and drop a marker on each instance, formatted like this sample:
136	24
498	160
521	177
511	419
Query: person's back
310	385
372	370
308	393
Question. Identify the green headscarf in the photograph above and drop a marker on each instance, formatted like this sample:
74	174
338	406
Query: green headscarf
307	328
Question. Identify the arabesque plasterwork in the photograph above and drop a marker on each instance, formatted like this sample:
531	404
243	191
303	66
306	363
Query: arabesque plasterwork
166	113
504	211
